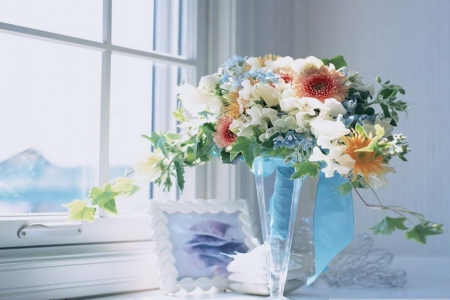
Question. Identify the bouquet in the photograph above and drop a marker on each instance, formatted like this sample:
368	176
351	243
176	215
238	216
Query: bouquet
315	114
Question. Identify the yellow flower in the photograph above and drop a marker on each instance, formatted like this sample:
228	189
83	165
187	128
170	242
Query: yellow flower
148	168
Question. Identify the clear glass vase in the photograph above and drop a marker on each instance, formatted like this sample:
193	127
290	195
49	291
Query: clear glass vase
278	202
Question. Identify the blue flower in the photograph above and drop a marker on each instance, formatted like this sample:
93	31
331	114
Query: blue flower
292	140
264	77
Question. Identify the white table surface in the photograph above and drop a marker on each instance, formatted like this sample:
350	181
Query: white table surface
428	278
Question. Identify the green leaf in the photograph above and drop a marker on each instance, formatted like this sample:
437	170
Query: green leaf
359	109
269	143
248	147
378	79
369	111
179	114
359	129
158	141
338	61
126	187
180	173
256	131
420	232
79	211
345	188
105	198
388	225
305	168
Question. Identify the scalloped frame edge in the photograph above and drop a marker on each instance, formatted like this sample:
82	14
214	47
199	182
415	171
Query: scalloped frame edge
163	247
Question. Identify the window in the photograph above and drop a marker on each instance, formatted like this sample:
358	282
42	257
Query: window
80	81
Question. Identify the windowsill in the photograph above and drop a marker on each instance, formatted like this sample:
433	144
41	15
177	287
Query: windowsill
428	278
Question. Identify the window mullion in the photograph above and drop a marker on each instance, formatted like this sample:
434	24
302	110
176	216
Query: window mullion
103	175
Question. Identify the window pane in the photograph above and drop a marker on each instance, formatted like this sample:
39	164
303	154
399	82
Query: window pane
49	124
134	83
151	25
81	18
132	24
131	116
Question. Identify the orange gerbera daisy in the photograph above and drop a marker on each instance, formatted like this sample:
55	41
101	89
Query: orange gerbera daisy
321	83
232	107
366	162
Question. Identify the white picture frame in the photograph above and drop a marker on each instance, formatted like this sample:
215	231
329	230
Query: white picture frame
191	237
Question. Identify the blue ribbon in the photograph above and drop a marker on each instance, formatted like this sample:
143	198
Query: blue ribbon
280	204
333	222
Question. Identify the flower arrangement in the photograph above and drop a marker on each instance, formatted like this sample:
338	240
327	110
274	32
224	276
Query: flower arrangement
314	113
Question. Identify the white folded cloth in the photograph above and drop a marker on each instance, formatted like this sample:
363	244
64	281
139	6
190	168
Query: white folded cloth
248	273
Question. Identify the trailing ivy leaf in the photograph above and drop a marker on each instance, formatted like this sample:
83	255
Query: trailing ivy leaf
79	211
248	147
105	198
388	225
256	131
269	143
305	168
420	232
178	114
158	141
126	187
180	173
338	61
345	188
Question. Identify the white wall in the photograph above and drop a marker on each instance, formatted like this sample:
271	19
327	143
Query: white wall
406	41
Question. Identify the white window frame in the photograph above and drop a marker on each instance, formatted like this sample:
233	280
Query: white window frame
27	264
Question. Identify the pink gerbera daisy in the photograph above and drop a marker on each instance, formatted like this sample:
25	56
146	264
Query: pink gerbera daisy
224	137
321	83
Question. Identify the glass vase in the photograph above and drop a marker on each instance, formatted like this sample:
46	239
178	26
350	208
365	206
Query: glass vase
278	203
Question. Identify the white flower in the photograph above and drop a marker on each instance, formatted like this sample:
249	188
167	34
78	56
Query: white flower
300	64
192	125
281	63
197	100
380	120
240	127
304	104
335	160
267	92
246	91
260	116
327	131
209	82
254	62
147	168
334	107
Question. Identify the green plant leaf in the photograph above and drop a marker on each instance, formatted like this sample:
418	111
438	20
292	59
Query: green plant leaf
345	188
125	186
359	129
338	61
105	198
180	173
79	211
305	168
248	147
388	225
420	232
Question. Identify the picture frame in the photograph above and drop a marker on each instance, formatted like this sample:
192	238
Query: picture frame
193	240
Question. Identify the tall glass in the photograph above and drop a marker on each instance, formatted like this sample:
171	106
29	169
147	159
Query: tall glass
278	202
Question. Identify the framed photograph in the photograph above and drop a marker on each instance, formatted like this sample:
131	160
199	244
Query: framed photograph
194	238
